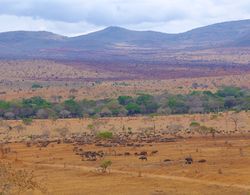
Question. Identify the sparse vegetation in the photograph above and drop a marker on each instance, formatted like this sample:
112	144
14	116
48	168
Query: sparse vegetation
62	131
36	86
14	181
27	121
105	165
105	135
194	124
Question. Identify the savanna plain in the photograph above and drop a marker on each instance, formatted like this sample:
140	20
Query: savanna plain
140	136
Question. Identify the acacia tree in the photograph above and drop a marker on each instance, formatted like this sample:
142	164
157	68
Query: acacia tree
16	181
105	164
235	118
13	181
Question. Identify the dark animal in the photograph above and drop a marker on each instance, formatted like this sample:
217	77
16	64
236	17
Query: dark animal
90	156
189	160
154	152
143	153
202	161
143	158
28	144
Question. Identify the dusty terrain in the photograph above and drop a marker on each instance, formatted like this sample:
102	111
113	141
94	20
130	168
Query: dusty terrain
225	170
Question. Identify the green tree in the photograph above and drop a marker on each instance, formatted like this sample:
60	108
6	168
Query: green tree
133	108
73	107
125	100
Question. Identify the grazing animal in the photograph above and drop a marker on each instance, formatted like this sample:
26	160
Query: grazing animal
143	158
28	144
126	153
202	161
154	152
100	154
167	160
75	149
143	153
90	156
189	160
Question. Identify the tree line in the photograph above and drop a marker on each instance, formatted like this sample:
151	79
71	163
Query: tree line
226	98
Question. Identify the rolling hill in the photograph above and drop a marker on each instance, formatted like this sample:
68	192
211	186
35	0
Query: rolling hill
119	45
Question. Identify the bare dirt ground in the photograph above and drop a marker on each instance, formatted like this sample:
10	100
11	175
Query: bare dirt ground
224	172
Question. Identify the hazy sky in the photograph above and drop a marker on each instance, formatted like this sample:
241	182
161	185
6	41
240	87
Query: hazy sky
74	17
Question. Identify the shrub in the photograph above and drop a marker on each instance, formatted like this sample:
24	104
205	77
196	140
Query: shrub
4	105
42	114
105	135
64	114
90	126
63	131
105	164
36	86
9	115
213	117
230	91
194	124
27	121
14	181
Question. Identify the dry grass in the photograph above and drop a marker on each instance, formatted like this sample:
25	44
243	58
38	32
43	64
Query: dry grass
221	122
67	174
14	86
224	172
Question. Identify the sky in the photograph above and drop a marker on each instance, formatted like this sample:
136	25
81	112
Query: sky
76	17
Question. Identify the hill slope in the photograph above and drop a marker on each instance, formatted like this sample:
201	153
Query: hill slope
115	44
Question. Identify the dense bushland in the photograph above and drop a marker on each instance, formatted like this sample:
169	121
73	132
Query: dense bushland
227	98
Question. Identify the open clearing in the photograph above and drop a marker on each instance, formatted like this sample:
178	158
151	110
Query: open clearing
223	167
226	170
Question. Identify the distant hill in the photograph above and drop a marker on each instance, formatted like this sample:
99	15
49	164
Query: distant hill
115	35
222	34
118	44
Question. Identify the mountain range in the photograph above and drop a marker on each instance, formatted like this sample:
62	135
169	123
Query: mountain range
116	44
